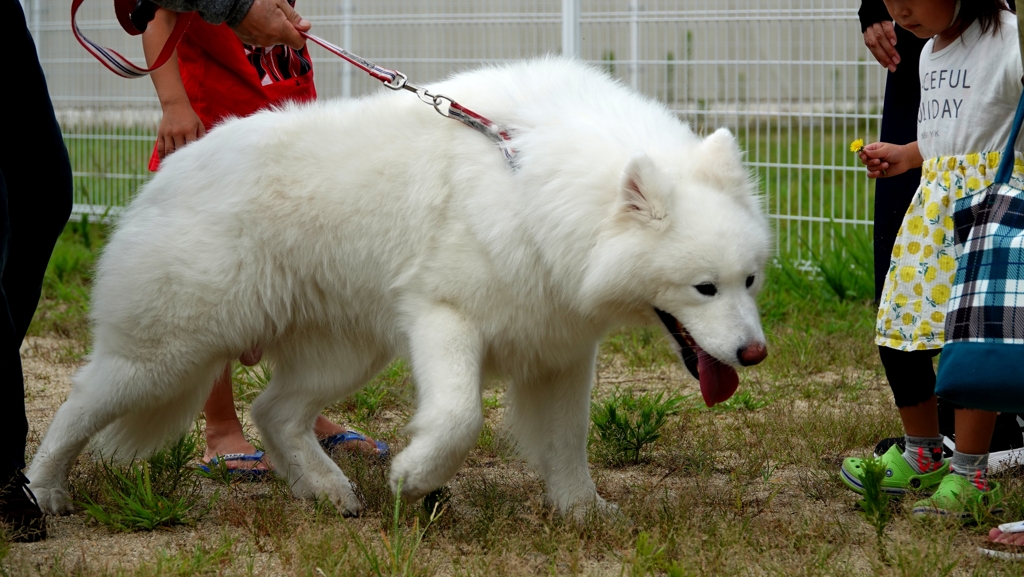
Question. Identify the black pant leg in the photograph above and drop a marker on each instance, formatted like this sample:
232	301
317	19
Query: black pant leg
37	197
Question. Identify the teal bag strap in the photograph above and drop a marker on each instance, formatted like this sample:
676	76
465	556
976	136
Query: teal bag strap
1006	162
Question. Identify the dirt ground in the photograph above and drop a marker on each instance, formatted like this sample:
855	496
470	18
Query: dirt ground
757	511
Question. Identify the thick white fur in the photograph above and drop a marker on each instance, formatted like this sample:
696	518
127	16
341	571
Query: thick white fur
340	235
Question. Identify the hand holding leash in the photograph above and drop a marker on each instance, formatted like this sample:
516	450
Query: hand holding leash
272	22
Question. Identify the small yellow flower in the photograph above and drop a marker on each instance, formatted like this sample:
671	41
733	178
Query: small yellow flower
918	289
928	250
917	306
974	159
938	317
992	159
932	211
901	300
857	145
913	247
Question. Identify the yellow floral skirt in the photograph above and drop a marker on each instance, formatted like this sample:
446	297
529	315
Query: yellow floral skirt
912	313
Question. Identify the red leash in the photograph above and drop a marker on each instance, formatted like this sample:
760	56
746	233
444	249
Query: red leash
444	105
393	79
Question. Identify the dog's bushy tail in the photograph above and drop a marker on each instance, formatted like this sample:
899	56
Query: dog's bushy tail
160	409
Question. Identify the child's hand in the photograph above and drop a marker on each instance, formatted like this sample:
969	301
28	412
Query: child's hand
179	126
883	159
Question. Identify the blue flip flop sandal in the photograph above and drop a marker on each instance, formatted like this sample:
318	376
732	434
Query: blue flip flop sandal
248	472
334	441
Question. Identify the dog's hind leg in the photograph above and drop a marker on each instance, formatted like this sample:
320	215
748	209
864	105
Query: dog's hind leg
548	413
307	377
446	353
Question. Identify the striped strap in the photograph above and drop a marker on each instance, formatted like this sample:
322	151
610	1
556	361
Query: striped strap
119	64
1006	164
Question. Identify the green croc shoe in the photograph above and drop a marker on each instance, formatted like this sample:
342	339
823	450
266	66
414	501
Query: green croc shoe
958	498
900	477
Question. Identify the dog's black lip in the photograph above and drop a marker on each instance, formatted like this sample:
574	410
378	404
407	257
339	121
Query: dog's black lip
685	350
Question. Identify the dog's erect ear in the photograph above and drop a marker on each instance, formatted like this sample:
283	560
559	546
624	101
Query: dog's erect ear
720	163
644	191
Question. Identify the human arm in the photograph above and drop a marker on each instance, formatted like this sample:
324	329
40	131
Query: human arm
883	159
256	22
879	33
179	124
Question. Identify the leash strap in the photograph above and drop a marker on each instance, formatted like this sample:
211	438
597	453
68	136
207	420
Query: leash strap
444	105
119	64
1006	163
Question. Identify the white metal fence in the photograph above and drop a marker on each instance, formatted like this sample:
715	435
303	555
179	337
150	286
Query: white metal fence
791	77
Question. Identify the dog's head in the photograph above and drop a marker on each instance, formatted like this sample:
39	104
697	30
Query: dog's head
686	245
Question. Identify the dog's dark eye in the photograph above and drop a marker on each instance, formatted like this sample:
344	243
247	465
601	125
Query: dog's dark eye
750	281
706	289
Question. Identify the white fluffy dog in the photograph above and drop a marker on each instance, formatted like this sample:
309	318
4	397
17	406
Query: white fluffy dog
340	235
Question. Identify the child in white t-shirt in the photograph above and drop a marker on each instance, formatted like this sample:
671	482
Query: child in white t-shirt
970	75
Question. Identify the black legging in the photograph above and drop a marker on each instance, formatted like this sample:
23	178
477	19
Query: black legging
35	202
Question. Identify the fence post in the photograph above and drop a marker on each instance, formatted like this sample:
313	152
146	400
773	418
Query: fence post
571	28
346	43
634	44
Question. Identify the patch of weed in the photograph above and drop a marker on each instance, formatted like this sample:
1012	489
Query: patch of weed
144	495
626	423
741	401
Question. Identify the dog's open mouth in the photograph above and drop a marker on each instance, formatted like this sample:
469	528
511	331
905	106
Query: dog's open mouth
718	381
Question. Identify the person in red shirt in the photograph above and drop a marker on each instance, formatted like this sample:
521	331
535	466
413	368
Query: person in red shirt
214	76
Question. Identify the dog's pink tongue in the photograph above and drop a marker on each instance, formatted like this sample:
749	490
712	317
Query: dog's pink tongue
718	381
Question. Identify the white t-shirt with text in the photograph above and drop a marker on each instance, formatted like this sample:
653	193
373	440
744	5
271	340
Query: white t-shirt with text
969	92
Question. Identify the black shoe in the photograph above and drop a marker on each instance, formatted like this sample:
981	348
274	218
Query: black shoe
20	515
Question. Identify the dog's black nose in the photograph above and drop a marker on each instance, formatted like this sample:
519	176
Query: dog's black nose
752	354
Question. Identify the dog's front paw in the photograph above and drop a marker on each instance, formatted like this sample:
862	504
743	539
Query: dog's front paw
348	504
583	511
53	501
339	492
410	480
